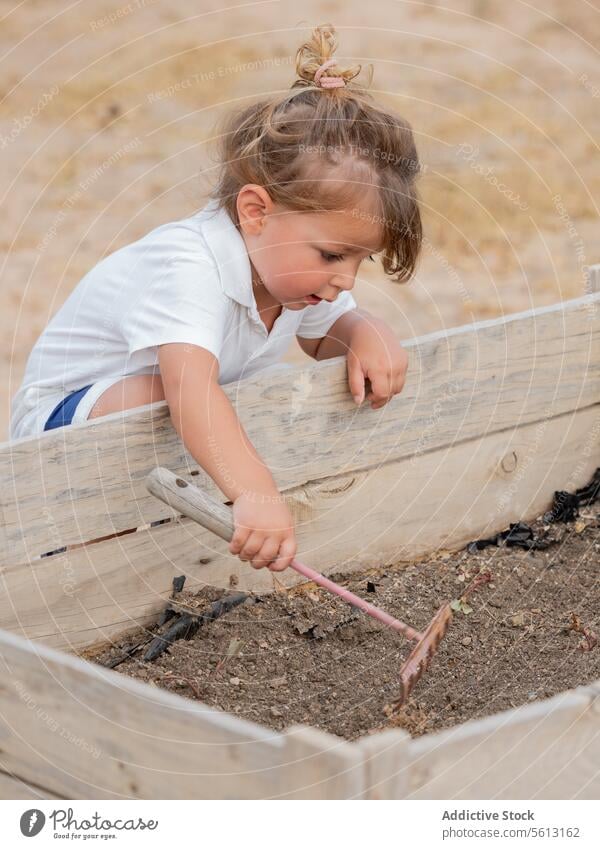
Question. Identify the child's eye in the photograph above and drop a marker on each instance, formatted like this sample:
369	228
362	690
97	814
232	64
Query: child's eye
328	257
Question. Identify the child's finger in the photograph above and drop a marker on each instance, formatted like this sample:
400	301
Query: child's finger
240	535
287	552
266	554
356	378
381	387
252	545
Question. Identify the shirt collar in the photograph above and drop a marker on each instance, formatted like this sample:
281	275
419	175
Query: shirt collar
228	248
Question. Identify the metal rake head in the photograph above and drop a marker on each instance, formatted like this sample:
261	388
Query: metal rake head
420	657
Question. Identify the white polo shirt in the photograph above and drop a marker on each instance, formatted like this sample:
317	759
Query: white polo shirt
185	281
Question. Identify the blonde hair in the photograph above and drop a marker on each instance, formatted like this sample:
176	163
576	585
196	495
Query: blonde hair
315	150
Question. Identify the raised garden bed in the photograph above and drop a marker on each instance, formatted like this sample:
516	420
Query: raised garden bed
304	656
493	419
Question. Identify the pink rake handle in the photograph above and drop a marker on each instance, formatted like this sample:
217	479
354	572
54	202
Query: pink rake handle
346	595
216	517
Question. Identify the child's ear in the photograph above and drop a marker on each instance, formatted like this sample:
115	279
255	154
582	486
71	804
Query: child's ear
253	206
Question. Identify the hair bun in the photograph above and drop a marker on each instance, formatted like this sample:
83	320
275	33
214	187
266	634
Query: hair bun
319	49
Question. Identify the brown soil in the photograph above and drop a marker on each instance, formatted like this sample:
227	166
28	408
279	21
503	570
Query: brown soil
305	656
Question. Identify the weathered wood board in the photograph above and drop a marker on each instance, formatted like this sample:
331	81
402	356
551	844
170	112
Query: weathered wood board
399	511
75	484
84	732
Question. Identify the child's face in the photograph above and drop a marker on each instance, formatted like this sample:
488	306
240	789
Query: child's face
302	254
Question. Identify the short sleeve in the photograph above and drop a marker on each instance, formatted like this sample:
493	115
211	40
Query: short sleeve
180	299
316	320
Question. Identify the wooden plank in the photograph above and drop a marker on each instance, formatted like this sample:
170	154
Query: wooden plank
386	764
11	787
86	481
400	511
317	765
86	732
546	750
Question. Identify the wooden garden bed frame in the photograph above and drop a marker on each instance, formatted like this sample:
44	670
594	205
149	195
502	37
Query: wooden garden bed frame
494	417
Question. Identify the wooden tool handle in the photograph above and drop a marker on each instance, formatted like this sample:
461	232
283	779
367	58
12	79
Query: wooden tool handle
191	501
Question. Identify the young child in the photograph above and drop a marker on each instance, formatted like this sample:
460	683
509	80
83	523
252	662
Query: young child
311	183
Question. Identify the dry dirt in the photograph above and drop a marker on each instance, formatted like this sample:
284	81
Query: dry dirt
306	656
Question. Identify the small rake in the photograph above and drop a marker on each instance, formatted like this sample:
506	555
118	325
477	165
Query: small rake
216	517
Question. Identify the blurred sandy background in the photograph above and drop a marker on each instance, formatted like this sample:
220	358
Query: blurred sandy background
107	110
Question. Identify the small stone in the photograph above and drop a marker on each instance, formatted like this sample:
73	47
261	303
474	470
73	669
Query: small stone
466	641
278	682
235	681
263	644
275	711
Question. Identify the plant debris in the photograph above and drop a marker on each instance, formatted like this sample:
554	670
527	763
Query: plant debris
590	638
189	622
565	508
518	535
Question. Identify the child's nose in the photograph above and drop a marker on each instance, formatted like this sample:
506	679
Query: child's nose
343	281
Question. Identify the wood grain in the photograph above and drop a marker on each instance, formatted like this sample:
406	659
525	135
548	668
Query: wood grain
89	733
82	482
400	511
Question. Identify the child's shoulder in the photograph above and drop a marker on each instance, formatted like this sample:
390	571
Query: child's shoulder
187	234
184	240
172	258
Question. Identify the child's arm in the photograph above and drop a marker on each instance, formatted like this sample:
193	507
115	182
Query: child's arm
211	431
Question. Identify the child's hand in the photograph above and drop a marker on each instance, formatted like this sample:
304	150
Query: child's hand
264	531
375	353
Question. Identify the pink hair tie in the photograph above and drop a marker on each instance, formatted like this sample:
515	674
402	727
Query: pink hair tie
328	82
